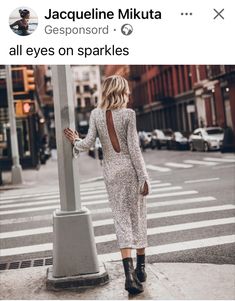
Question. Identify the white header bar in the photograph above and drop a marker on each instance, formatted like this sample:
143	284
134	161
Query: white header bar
121	32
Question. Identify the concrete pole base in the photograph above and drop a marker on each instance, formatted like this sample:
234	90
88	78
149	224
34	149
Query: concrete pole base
74	247
16	175
78	281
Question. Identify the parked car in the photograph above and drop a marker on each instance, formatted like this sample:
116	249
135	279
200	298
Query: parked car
205	139
160	138
178	141
169	135
145	139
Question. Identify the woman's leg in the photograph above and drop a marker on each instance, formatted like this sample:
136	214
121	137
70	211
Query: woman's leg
140	251
126	252
132	284
140	264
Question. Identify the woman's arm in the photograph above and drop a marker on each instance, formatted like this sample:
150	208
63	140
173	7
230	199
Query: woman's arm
86	143
14	24
135	153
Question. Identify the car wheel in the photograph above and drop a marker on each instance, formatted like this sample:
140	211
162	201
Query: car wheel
168	146
158	145
206	147
191	147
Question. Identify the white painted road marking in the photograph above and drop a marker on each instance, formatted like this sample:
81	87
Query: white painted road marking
180	165
52	194
202	180
150	205
219	159
160	249
157	168
176	247
43	230
43	208
198	162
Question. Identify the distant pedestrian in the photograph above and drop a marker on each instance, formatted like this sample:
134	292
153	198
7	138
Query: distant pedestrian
125	175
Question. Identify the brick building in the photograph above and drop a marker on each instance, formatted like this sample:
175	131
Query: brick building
181	97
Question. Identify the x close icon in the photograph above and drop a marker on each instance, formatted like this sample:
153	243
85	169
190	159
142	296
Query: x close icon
219	13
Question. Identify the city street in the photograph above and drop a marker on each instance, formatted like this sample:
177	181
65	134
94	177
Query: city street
190	210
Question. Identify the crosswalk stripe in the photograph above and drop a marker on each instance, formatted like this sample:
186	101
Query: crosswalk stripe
37	200
160	249
172	213
26	249
198	162
152	185
43	230
173	228
27	219
56	193
201	180
19	196
176	247
152	196
157	168
94	196
180	165
87	203
150	205
161	195
219	159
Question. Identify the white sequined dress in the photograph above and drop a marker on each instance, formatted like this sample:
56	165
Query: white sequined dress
124	173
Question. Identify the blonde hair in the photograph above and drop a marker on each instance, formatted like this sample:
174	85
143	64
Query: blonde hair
115	93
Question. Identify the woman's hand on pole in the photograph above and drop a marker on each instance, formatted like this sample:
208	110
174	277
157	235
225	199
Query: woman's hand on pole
71	135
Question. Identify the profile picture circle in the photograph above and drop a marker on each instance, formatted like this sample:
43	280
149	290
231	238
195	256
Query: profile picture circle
23	21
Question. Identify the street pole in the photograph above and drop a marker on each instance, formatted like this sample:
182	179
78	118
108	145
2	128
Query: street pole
74	248
16	167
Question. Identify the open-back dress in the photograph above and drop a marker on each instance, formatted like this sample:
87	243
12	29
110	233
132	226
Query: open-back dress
124	172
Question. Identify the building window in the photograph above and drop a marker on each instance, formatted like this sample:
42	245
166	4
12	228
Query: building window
183	77
87	101
189	77
86	88
178	78
78	89
79	103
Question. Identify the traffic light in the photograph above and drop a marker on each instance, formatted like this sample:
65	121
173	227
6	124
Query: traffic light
28	107
29	80
18	108
24	108
23	80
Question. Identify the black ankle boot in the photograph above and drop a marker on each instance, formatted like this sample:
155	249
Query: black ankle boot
140	268
132	284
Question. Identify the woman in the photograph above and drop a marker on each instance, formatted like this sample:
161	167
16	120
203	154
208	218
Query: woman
125	174
23	23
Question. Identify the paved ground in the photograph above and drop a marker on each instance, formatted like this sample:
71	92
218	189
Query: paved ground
190	220
166	281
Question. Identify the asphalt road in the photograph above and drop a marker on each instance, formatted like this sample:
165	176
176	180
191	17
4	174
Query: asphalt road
190	210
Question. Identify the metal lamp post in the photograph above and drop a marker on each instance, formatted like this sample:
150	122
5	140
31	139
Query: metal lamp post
75	260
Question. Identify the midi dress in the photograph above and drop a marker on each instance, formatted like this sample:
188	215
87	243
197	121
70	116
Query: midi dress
124	172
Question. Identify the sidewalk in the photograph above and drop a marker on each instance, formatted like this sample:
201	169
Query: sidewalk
166	281
46	178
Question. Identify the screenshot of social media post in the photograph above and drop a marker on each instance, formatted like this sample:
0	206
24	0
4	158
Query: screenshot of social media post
117	151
